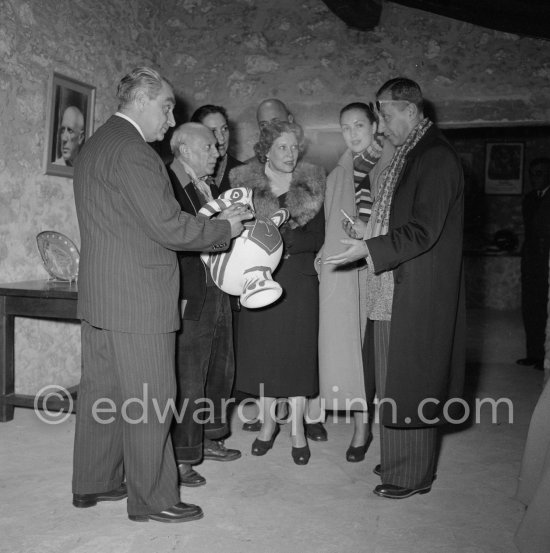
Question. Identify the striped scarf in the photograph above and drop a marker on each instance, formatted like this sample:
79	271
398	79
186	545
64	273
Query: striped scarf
380	287
382	204
362	165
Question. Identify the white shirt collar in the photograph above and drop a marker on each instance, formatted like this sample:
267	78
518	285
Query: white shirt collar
124	116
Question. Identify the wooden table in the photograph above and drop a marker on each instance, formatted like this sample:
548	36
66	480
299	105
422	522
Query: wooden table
42	299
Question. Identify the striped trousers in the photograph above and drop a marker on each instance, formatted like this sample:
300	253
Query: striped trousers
118	431
407	454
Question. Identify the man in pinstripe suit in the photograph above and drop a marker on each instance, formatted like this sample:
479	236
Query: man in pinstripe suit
130	226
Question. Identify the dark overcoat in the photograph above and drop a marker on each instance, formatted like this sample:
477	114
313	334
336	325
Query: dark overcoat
192	270
225	183
424	249
534	271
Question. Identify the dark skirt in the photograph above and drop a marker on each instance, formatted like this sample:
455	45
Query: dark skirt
277	344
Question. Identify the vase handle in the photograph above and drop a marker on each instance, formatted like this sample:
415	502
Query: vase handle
229	197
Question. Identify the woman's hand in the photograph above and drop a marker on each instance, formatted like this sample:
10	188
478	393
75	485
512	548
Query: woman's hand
357	250
356	229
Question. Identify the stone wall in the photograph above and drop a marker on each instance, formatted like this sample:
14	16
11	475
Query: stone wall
231	52
493	281
92	41
237	53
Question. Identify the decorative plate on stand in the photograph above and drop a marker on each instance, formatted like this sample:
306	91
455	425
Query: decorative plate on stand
59	255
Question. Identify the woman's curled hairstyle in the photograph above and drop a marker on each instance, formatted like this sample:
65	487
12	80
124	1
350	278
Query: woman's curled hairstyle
271	131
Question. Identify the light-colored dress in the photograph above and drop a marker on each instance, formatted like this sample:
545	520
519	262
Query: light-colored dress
342	293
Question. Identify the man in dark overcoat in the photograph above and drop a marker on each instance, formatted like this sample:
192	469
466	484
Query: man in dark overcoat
534	262
419	351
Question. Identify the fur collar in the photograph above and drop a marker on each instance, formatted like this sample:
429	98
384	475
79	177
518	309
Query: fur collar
304	198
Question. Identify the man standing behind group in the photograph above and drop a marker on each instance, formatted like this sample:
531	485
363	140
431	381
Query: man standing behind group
215	118
205	364
534	262
272	110
413	248
130	226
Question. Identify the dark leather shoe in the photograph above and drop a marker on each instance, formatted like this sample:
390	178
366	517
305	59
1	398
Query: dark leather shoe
261	447
83	500
189	477
215	450
528	361
301	455
316	432
397	492
180	512
357	454
252	426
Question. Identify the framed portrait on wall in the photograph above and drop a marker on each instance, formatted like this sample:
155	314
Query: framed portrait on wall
69	123
504	168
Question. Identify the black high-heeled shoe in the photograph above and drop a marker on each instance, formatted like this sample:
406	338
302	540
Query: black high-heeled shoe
357	454
261	447
301	455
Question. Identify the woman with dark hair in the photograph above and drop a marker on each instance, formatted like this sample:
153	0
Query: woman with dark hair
346	383
215	118
277	344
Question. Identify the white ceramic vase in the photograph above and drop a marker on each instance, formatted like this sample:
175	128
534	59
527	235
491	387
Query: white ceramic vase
245	270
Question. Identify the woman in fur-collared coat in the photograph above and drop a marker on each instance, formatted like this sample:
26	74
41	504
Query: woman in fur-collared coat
277	344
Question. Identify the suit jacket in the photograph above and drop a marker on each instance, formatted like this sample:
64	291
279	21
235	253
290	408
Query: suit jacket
225	184
130	228
424	248
193	274
536	221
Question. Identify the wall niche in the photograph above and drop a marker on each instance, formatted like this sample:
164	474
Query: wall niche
493	224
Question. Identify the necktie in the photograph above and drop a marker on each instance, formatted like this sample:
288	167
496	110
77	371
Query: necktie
214	188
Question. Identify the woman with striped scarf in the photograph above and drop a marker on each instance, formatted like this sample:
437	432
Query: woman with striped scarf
351	187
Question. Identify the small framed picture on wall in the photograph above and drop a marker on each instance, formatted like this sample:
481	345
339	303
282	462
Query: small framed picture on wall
69	123
504	168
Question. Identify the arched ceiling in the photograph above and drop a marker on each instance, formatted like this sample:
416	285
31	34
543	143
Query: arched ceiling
521	17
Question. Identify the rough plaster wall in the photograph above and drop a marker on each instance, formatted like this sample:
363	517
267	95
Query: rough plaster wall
238	52
232	52
92	41
493	282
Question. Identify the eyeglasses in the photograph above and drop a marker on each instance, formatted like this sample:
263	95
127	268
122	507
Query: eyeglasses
379	103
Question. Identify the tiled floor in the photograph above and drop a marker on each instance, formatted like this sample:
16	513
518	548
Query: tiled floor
269	504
